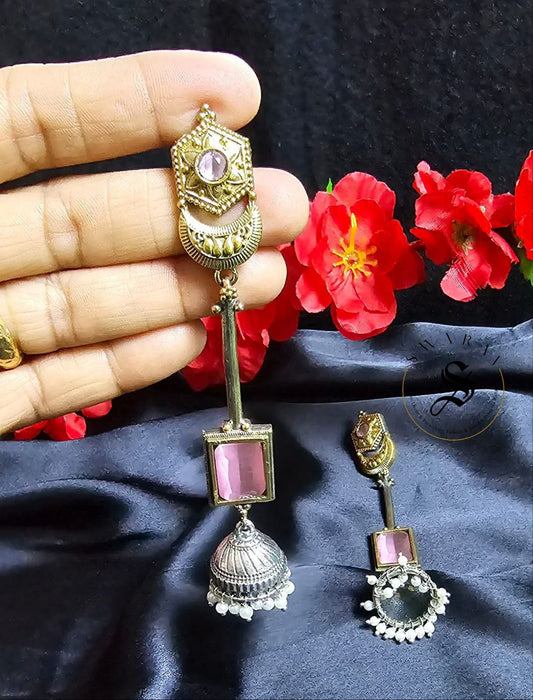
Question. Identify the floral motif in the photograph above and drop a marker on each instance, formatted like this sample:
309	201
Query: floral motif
354	255
455	218
71	426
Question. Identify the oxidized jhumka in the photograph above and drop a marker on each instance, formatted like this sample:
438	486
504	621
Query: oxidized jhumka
213	171
405	600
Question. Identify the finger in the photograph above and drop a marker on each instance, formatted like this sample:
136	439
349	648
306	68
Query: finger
52	385
122	217
81	307
64	114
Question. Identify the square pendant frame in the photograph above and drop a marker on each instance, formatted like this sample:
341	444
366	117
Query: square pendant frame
256	433
381	566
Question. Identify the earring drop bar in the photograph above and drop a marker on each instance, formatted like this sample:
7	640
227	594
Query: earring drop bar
405	600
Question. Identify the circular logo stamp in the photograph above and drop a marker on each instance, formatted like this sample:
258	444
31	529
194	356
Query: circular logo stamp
453	389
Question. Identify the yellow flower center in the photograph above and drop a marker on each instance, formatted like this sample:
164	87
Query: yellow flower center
351	259
463	235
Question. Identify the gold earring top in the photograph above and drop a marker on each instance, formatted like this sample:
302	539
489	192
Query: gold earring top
373	444
212	165
213	171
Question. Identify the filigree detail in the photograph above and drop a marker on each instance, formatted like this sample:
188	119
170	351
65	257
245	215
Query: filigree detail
237	180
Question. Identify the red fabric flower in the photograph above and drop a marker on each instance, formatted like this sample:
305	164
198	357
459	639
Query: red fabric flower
72	426
354	255
524	206
255	329
455	218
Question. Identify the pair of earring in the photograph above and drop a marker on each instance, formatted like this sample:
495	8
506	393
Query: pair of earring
249	572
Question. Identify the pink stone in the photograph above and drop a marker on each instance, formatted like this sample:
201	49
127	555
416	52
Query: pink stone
390	544
240	470
362	430
212	166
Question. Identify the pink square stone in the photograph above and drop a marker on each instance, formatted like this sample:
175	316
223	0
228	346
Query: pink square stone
240	470
391	543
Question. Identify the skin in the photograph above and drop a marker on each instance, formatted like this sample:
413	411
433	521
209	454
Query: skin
94	284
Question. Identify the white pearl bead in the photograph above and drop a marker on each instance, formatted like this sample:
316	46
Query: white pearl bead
440	609
246	612
410	635
211	598
402	560
399	636
381	627
371	580
281	603
420	632
288	588
416	581
390	632
373	621
395	583
429	628
268	604
257	604
423	588
442	593
234	609
432	617
221	608
388	592
368	605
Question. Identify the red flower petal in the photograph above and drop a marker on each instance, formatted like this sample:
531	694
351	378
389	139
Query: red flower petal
365	324
69	427
336	225
524	206
342	289
32	431
312	292
476	186
390	241
357	186
375	292
427	180
434	212
98	410
306	242
502	210
286	307
409	270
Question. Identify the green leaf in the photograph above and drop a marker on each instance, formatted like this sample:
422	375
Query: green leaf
526	266
329	187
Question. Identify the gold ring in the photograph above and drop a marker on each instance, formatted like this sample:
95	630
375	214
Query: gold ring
10	354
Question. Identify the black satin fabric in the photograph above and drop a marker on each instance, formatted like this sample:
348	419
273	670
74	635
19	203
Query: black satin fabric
106	541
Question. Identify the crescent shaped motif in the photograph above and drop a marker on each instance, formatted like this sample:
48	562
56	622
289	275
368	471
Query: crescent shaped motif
221	247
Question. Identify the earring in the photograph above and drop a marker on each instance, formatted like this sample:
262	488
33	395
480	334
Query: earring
213	170
405	601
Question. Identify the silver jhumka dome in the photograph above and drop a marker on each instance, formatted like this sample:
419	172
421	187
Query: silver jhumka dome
248	572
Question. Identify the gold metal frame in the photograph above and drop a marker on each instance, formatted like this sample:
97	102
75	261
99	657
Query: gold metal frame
236	183
255	433
381	567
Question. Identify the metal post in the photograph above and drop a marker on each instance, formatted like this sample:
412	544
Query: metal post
231	361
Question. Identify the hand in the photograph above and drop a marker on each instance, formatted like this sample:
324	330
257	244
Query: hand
94	284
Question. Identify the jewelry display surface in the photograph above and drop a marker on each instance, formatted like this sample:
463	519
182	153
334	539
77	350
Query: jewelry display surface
135	573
